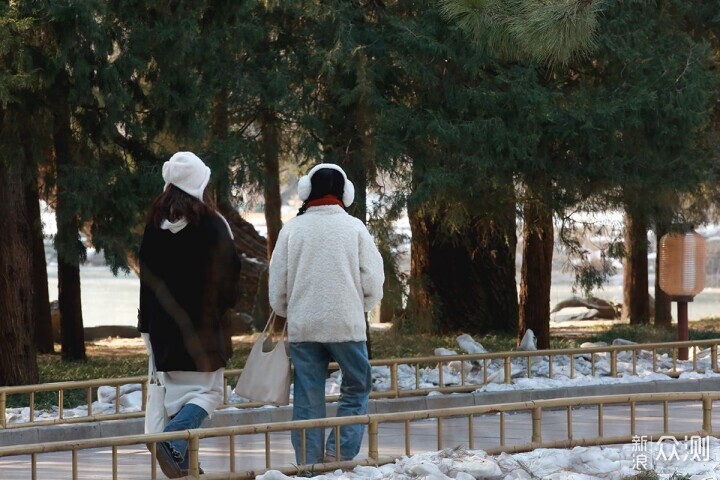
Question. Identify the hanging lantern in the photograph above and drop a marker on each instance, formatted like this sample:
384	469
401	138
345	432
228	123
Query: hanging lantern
682	264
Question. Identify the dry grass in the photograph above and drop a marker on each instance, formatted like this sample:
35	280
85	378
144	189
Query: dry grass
126	357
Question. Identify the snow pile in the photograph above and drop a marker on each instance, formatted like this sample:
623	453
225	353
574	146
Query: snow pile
429	377
581	463
582	373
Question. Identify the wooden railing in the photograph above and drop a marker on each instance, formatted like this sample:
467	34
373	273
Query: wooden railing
377	454
465	384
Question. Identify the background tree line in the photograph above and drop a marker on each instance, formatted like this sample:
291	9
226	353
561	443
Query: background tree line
479	113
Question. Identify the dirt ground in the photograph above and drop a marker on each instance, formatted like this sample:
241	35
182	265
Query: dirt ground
126	347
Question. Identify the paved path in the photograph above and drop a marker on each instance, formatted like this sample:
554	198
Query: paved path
134	463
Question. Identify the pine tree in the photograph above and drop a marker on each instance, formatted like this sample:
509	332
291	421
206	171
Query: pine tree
18	364
656	84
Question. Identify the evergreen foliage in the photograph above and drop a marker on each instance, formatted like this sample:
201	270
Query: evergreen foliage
553	32
467	114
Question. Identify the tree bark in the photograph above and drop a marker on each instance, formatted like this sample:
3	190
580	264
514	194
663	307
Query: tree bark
636	305
270	130
42	322
420	312
220	125
356	171
465	281
359	158
18	364
252	248
536	271
67	241
496	254
391	303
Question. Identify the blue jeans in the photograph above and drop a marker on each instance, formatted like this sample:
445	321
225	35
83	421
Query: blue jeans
311	360
190	416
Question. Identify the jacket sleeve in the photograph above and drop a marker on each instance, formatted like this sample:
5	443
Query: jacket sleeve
371	271
277	282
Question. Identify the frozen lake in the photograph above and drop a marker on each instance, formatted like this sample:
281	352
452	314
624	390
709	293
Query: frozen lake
111	300
106	299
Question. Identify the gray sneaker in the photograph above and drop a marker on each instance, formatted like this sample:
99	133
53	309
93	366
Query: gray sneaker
169	464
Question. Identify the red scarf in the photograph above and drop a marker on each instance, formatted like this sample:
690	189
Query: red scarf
325	200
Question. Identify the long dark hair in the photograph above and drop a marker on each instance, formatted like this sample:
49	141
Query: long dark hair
174	204
326	181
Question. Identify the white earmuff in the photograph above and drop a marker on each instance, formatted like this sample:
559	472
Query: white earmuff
304	187
305	184
348	193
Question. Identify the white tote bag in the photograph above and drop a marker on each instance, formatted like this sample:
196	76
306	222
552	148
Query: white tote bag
266	376
156	416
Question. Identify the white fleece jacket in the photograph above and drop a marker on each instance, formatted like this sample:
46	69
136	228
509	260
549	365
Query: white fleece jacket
325	272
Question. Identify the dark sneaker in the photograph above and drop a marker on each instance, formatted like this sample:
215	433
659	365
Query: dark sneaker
169	464
186	467
307	474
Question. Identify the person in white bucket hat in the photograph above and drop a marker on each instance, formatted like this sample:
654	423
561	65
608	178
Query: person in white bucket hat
188	279
325	273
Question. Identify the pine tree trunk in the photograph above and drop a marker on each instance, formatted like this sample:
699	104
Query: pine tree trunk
67	243
663	304
356	171
420	311
497	255
254	265
220	127
42	324
536	272
358	161
18	364
270	130
636	305
465	282
391	302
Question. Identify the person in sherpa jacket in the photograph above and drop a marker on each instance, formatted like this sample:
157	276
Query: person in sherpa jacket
325	273
188	279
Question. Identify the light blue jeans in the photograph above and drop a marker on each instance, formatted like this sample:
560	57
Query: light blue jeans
311	361
190	416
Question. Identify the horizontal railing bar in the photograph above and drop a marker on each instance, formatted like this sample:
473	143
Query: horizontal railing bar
72	385
585	442
541	353
81	419
361	419
393	393
79	384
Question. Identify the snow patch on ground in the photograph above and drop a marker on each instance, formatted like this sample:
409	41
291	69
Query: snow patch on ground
429	377
579	463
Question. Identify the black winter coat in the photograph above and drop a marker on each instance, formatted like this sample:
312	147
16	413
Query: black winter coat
188	280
